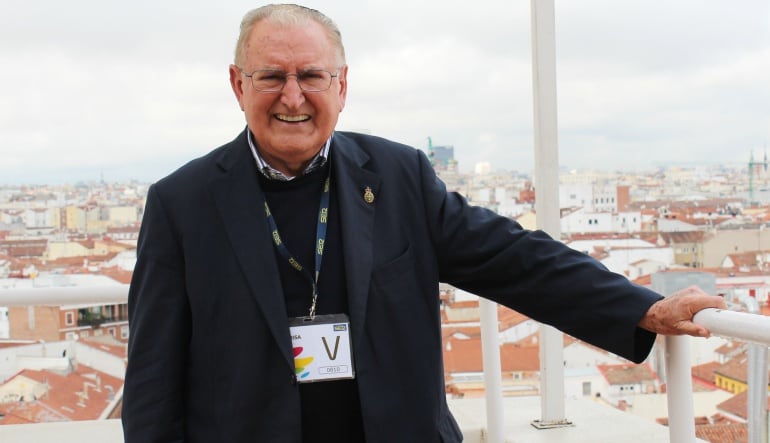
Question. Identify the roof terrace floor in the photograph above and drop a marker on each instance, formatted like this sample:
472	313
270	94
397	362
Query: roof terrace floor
592	423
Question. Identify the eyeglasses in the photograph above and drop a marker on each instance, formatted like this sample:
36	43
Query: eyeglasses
273	80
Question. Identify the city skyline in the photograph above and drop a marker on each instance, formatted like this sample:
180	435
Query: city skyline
97	90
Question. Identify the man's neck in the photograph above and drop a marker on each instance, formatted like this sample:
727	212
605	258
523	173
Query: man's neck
280	169
289	169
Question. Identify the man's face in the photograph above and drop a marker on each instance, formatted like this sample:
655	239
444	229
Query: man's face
289	126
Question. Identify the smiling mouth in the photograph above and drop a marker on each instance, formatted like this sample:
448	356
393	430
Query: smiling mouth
292	118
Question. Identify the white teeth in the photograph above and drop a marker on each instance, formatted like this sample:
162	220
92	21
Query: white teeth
292	118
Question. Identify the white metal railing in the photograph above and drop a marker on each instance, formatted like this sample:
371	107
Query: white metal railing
64	295
738	325
741	325
744	326
750	327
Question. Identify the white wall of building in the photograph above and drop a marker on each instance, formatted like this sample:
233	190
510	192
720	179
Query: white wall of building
579	355
5	324
674	225
580	382
519	332
584	221
621	260
576	195
587	246
605	198
102	360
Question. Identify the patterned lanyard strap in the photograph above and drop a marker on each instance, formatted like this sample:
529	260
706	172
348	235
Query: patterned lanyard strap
323	216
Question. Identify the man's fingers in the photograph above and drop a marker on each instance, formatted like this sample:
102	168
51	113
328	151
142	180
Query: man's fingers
673	315
690	328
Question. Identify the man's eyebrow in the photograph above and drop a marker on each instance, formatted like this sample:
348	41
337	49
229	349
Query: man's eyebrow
302	69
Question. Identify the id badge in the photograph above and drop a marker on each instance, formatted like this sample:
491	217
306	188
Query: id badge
322	348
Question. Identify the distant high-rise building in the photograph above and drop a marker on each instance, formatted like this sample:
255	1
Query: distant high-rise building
443	156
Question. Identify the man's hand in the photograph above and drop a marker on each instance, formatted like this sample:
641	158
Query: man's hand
673	314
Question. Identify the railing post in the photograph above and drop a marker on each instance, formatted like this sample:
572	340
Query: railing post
547	198
681	414
757	401
493	380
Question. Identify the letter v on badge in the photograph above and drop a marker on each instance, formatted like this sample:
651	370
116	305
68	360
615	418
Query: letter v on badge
322	348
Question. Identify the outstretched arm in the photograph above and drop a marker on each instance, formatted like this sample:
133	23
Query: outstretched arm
673	315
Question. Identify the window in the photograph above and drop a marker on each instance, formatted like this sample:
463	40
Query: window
111	331
586	388
124	332
69	318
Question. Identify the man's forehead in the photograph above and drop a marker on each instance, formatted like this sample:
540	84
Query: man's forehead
289	43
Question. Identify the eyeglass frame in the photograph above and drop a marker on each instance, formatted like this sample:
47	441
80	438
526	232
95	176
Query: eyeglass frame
286	78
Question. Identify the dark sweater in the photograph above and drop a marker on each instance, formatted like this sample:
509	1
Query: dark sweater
331	410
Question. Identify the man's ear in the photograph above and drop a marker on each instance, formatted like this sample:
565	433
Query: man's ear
236	82
343	79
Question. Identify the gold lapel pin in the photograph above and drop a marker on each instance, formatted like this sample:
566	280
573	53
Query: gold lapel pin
368	195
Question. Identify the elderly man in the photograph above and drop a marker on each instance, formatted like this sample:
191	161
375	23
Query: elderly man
286	288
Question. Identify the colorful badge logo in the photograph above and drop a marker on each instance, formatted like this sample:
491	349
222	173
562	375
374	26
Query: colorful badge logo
301	363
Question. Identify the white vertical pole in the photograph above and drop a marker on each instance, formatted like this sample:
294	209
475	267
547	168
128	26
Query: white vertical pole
757	401
493	382
547	193
681	414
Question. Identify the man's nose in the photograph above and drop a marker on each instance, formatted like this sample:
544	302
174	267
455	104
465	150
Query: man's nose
291	94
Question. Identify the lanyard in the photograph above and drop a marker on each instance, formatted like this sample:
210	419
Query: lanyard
323	215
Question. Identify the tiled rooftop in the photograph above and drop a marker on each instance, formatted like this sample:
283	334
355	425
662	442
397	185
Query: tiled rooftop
83	394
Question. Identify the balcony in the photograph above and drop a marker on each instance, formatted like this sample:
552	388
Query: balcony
590	421
97	320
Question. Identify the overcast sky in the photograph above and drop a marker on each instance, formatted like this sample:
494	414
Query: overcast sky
132	90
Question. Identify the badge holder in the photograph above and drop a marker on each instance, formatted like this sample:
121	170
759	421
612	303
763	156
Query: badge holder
322	348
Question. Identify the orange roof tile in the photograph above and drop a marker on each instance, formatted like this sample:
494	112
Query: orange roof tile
704	373
737	405
26	412
627	373
465	356
83	394
723	433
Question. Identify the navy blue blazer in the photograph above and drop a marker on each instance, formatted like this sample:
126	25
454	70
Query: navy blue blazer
209	356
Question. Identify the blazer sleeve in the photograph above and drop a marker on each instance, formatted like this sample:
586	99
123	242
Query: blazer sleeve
153	396
494	257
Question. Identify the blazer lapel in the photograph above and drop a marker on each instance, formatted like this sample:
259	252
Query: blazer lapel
357	219
240	203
